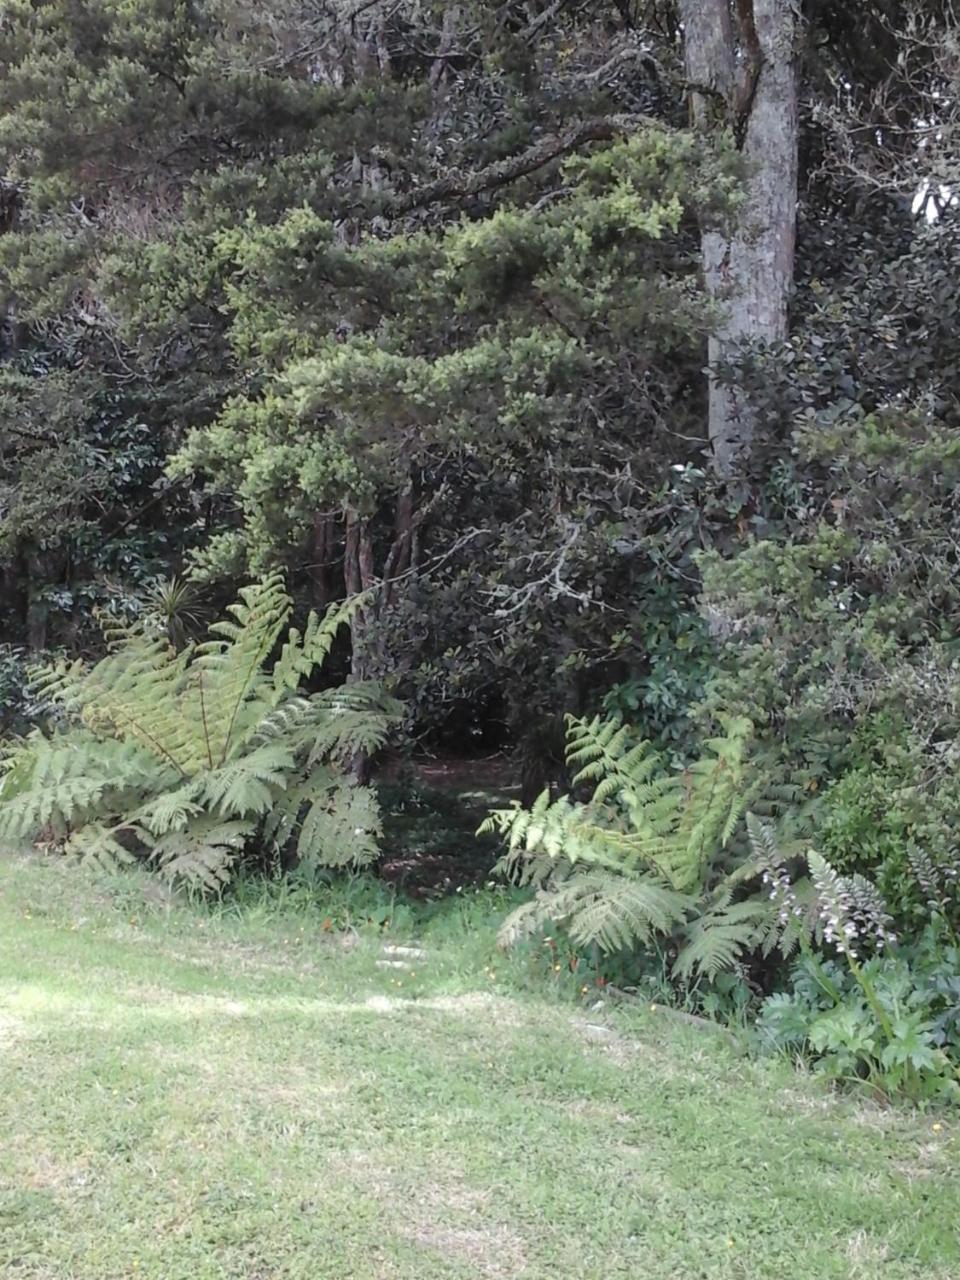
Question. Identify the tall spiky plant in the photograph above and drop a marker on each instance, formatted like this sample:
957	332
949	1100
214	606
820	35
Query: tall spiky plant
193	756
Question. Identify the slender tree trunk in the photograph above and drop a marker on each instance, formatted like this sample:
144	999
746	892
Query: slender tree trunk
398	560
320	569
38	607
438	72
358	577
13	611
10	200
742	69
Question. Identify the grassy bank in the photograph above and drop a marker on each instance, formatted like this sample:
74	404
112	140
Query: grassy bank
187	1095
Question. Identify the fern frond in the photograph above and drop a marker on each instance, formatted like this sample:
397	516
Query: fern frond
203	854
96	845
132	693
724	930
53	784
524	921
617	913
281	823
170	810
608	753
228	667
600	908
248	785
341	828
302	654
344	721
284	722
712	948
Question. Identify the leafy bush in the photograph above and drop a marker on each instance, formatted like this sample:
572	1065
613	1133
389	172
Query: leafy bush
677	663
827	1018
837	632
888	1019
655	858
191	758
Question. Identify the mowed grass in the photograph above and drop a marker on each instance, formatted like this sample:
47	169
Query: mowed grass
186	1095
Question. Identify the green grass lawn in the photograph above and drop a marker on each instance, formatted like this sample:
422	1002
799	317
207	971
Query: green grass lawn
186	1095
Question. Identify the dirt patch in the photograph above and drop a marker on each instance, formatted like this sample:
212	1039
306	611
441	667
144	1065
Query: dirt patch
490	1248
488	1252
42	1171
11	1029
932	1161
496	772
500	1011
443	1212
497	1010
431	818
866	1256
178	1003
605	1040
588	1109
48	1174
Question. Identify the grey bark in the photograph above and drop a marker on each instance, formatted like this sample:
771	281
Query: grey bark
742	70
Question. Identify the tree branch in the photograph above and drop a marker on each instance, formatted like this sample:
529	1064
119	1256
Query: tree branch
502	172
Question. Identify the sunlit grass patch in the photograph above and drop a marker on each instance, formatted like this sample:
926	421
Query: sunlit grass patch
190	1094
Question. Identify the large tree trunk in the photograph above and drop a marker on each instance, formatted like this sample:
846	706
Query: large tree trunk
742	69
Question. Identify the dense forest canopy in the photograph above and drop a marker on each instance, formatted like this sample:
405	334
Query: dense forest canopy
410	293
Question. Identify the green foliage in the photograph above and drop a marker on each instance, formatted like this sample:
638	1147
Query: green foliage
228	223
654	856
840	642
826	1016
879	1012
459	369
174	606
194	757
674	647
85	515
490	336
20	709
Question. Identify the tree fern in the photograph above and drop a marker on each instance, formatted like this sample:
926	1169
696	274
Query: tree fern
642	858
247	785
192	757
617	912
